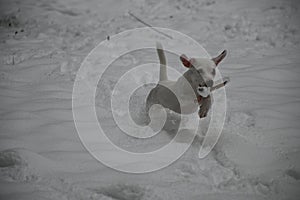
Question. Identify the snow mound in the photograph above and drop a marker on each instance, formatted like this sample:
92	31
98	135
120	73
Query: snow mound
127	192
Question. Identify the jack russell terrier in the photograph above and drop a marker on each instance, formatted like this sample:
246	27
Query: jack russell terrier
199	76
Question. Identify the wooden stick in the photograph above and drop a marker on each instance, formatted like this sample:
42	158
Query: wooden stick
150	26
215	87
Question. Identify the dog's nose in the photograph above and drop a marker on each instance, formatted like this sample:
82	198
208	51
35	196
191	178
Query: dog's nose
209	83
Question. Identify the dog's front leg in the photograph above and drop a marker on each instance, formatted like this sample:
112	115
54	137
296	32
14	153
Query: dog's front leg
205	106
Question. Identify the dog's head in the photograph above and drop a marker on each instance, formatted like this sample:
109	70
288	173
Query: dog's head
201	70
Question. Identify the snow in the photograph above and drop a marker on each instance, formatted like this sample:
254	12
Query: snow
42	46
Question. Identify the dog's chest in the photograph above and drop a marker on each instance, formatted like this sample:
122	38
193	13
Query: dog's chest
177	96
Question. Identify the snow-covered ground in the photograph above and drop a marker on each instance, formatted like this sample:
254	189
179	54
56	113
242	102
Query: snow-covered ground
42	46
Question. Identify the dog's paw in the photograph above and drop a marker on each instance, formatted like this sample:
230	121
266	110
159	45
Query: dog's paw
203	112
205	106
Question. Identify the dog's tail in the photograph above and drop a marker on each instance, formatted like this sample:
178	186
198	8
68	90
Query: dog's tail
162	59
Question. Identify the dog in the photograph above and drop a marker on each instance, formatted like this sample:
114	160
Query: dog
199	76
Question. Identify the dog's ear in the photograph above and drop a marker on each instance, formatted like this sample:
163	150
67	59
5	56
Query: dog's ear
219	58
185	61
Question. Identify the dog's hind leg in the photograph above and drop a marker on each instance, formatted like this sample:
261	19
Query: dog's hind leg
162	59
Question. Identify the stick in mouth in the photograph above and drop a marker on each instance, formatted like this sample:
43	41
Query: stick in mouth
205	91
215	87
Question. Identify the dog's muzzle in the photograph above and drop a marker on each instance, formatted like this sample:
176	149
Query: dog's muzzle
203	91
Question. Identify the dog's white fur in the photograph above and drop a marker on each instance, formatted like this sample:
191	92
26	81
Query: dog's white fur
200	73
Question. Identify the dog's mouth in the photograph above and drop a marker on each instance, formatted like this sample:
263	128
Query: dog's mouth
203	90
